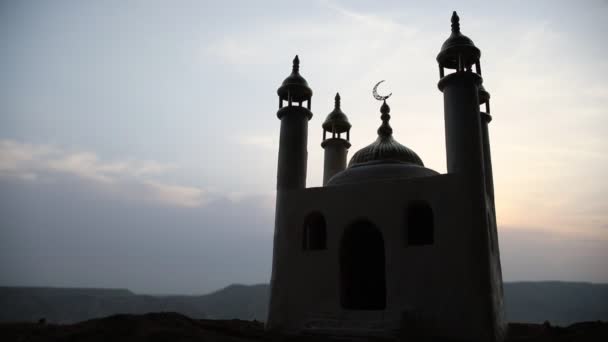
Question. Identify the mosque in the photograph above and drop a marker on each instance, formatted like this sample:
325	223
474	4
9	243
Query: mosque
388	246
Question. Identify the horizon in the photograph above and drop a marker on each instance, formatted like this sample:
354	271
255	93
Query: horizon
138	141
256	284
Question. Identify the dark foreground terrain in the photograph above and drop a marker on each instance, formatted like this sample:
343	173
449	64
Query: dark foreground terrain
176	327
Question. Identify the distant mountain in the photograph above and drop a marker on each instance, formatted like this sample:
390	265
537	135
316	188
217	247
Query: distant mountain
560	303
248	302
67	305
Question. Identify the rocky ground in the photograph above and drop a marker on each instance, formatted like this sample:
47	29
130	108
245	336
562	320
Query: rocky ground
176	327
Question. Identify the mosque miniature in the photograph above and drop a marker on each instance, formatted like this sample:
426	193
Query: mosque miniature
388	247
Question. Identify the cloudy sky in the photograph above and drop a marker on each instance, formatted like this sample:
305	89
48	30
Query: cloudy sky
138	139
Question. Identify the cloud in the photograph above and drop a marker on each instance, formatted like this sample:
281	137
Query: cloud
130	179
182	195
270	142
15	155
348	37
73	232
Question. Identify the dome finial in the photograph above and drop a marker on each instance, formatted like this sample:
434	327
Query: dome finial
455	22
385	149
296	64
385	130
337	98
378	96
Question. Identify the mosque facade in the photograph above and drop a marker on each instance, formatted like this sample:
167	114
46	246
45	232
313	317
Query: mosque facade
388	246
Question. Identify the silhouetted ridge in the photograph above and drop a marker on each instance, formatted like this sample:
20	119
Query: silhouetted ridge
560	303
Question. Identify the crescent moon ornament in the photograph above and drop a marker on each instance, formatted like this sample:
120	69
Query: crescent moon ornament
377	96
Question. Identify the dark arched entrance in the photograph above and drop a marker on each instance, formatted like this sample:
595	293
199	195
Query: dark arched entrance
362	268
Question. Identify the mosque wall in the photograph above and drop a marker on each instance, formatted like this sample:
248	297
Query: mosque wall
435	286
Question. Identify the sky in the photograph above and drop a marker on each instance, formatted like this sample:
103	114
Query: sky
139	139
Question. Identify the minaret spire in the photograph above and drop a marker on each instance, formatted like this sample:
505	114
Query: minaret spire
455	22
296	65
336	146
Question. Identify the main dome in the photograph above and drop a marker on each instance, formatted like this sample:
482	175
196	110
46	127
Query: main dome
385	148
385	158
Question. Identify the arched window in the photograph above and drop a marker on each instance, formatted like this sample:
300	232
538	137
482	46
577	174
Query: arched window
315	235
420	225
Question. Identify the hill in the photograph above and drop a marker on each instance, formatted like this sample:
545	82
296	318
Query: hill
561	303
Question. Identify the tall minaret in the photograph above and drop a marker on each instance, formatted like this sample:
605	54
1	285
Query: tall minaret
293	153
291	176
461	102
466	161
336	146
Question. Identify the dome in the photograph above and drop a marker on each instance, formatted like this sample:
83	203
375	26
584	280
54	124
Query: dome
457	44
295	86
380	170
336	121
383	159
385	148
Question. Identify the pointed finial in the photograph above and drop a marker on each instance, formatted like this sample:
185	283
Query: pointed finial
455	22
385	130
337	98
296	64
385	110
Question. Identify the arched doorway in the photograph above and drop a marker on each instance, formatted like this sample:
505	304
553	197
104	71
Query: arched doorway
362	268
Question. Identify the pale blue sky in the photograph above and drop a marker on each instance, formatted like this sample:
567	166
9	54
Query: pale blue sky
138	139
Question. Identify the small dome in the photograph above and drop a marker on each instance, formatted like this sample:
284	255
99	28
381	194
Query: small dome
295	86
336	121
457	44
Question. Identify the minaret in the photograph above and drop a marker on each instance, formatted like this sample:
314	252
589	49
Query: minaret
293	153
336	146
461	102
291	175
466	161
